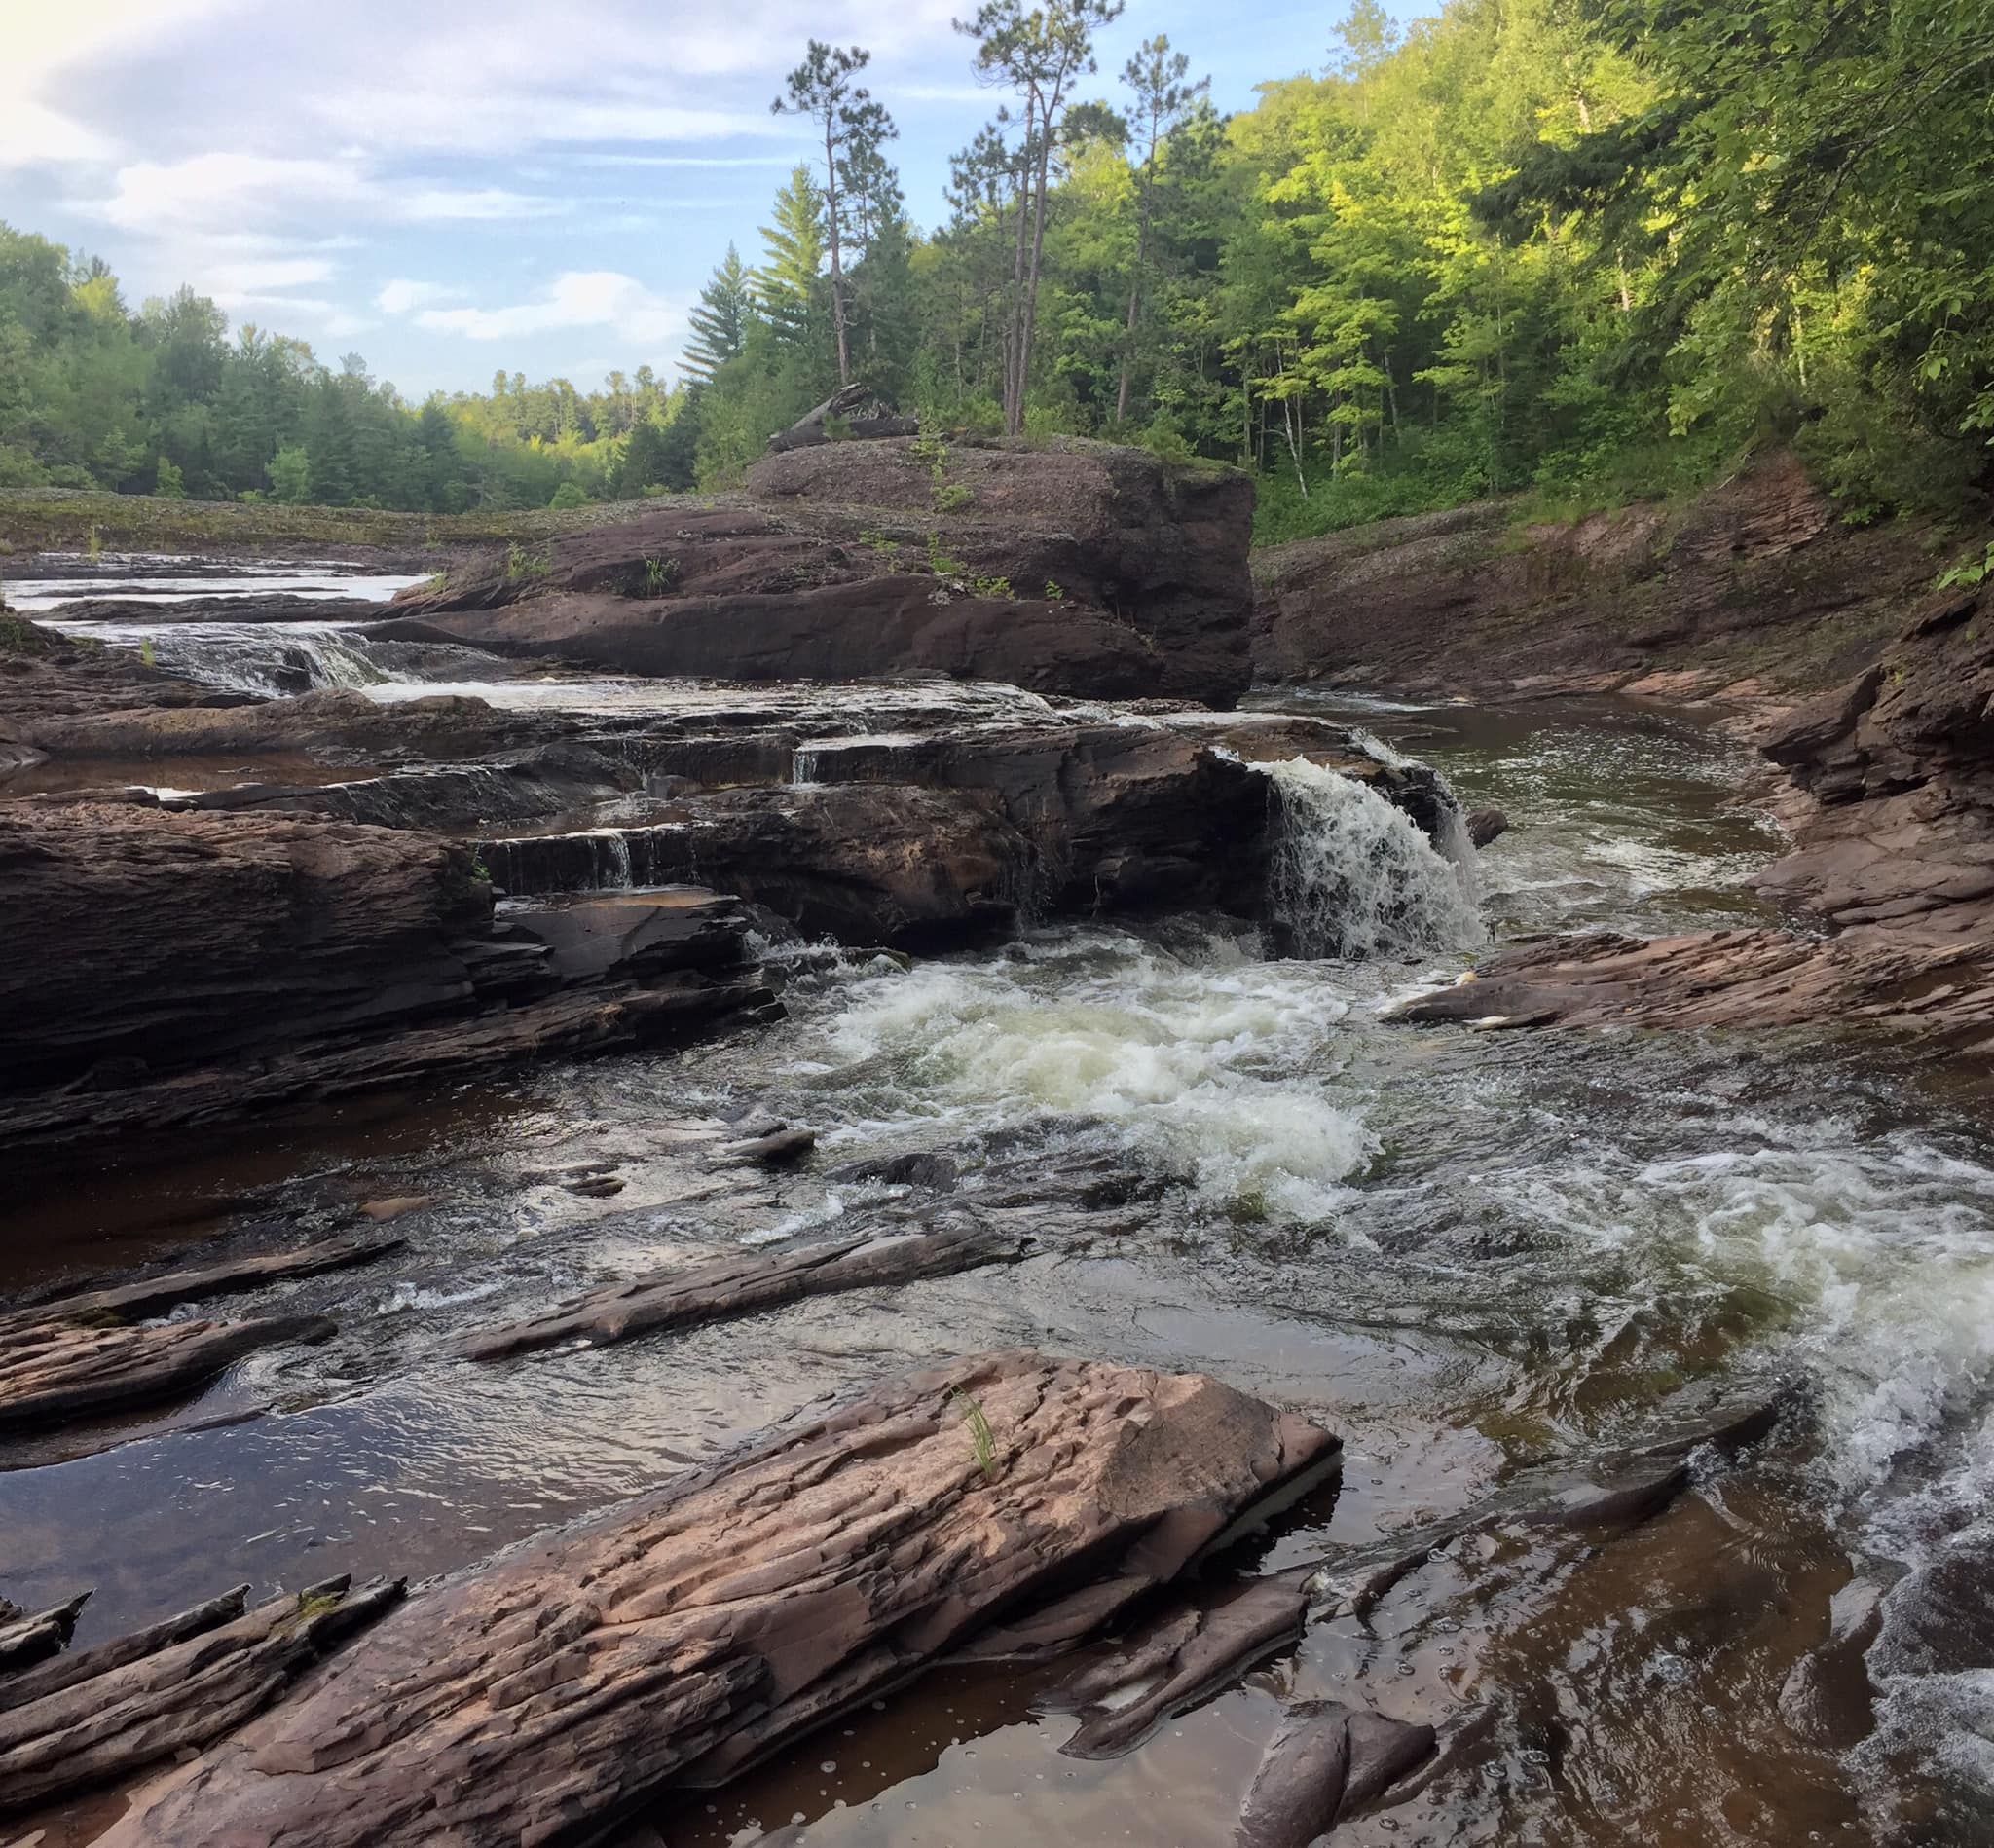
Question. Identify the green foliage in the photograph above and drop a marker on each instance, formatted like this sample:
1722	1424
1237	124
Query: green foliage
659	575
523	567
1970	572
982	1439
1575	251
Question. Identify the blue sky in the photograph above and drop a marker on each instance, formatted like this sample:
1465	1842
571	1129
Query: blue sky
451	186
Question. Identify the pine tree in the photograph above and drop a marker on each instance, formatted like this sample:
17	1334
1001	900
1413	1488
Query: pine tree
786	285
720	323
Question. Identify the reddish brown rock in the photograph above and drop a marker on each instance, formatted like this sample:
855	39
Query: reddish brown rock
549	1696
79	1722
1756	578
171	969
1070	568
56	1369
684	1296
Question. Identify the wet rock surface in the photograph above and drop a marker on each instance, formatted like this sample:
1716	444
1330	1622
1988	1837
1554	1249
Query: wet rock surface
548	1696
1892	820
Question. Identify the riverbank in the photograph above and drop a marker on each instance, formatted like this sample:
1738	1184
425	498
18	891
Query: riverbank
1756	590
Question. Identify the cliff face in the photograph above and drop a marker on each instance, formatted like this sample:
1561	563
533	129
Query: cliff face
1075	568
1755	581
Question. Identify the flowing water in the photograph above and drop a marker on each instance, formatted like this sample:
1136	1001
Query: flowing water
1466	1252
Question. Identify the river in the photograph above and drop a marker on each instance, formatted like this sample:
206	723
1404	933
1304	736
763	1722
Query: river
1464	1251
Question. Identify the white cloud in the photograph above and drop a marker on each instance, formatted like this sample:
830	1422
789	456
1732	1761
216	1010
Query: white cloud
578	298
220	193
687	159
401	296
255	277
47	44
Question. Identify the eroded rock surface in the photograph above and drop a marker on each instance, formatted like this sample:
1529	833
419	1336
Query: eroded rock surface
546	1697
1755	580
1892	812
1073	567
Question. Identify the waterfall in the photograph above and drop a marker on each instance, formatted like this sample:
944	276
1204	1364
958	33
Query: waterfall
1351	875
248	657
613	860
804	766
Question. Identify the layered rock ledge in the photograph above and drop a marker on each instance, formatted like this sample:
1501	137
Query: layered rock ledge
1075	567
556	1692
1891	813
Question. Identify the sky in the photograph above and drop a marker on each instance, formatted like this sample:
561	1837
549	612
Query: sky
452	187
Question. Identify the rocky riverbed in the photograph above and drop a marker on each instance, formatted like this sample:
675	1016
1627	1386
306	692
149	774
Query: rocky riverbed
476	1088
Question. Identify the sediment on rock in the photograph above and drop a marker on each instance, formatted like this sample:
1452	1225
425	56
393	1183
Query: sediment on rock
546	1697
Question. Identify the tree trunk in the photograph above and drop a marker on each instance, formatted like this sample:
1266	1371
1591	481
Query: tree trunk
1014	335
1031	292
838	277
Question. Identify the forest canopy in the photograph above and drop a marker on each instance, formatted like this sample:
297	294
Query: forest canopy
1592	248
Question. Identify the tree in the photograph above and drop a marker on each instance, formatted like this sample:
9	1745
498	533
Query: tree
720	323
787	284
1040	56
851	128
1155	78
290	475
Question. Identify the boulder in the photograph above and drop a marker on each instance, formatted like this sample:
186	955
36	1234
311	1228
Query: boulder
173	968
917	868
139	940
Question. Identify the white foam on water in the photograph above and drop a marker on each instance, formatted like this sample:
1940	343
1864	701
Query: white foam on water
1202	1070
1351	875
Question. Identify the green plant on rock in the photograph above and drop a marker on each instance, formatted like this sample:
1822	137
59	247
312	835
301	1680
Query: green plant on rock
982	1439
932	453
1969	572
877	541
1053	593
659	575
94	545
523	567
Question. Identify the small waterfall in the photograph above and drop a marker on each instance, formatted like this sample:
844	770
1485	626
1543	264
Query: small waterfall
613	860
803	766
1351	875
248	657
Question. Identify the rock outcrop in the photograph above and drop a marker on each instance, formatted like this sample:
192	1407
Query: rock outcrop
1077	568
1756	580
1892	812
167	968
549	1696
